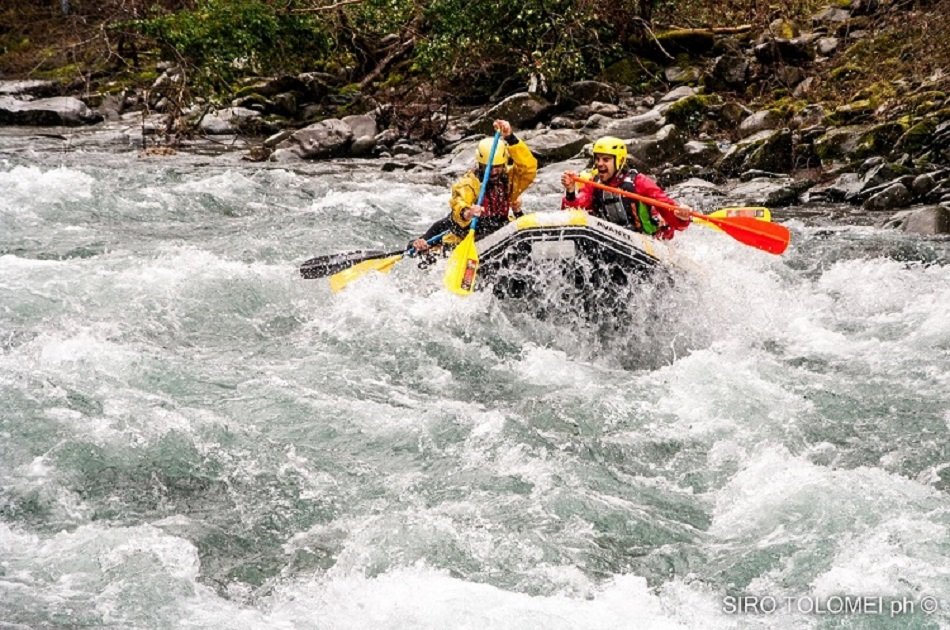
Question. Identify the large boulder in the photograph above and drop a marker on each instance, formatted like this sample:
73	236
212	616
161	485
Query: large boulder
646	123
364	134
229	120
768	150
521	110
32	89
926	221
773	192
584	92
894	196
555	144
666	145
325	139
47	112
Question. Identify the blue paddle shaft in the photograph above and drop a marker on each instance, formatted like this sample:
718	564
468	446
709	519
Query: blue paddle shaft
432	241
486	175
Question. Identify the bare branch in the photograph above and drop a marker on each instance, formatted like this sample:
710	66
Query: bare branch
328	7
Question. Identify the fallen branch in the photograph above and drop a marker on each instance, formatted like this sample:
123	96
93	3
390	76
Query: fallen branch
328	7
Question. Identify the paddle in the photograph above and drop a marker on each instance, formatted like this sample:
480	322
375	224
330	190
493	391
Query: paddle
769	237
323	266
756	212
463	263
382	263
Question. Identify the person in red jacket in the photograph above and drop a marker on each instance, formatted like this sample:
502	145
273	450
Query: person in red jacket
611	169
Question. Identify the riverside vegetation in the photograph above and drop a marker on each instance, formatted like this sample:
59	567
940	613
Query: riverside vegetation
792	104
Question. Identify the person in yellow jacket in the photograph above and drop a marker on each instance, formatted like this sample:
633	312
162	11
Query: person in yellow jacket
512	171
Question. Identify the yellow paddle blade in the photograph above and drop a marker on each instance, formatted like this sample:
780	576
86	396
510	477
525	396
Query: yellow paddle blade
754	212
462	266
340	279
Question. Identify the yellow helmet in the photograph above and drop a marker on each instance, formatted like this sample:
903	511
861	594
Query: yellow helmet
612	146
484	149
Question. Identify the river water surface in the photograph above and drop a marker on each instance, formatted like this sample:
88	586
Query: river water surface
192	436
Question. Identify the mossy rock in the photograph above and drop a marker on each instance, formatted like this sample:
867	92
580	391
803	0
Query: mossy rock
879	140
846	72
786	107
918	136
628	72
926	102
691	42
688	113
854	112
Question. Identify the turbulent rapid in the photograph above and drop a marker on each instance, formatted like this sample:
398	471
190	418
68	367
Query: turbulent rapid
193	436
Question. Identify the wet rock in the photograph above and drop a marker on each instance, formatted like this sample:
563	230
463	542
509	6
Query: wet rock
522	110
650	122
666	145
28	90
702	153
892	197
227	121
926	221
769	192
327	138
47	112
555	145
923	184
364	134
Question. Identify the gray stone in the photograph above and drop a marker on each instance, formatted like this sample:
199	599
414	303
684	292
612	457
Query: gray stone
327	138
759	121
768	192
650	122
677	74
676	94
521	110
826	45
923	184
361	125
555	144
666	145
582	92
46	112
227	121
36	88
833	15
926	221
894	196
702	153
732	70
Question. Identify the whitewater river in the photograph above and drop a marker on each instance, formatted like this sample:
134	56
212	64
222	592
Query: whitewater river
192	436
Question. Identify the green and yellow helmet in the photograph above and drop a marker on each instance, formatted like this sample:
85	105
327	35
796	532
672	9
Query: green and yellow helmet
484	149
616	147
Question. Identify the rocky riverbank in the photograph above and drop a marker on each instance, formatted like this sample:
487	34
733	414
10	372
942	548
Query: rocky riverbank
880	155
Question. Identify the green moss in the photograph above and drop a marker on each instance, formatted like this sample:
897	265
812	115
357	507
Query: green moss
62	73
845	72
879	140
787	106
625	72
689	112
918	136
